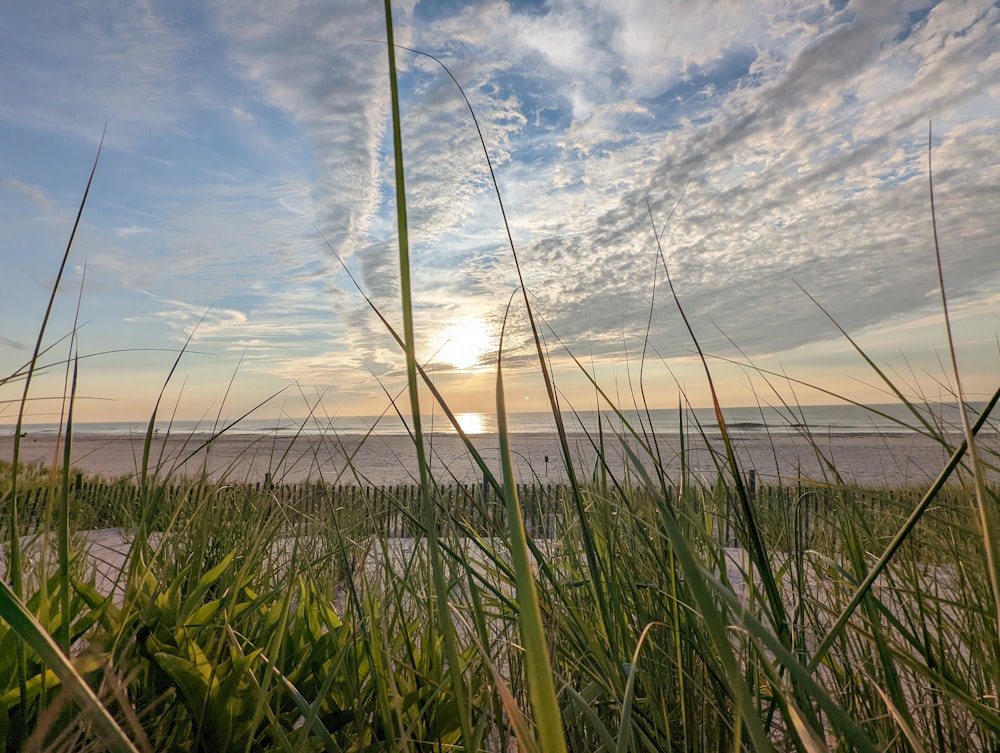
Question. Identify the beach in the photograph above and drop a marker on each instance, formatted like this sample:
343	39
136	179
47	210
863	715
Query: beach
865	458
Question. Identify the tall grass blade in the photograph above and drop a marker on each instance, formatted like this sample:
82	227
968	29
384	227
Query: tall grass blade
871	364
63	522
409	344
624	743
901	536
845	726
439	399
904	723
62	519
758	550
987	513
590	548
745	714
14	563
538	667
147	444
19	617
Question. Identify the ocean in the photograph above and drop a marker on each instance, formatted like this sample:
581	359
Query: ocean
820	420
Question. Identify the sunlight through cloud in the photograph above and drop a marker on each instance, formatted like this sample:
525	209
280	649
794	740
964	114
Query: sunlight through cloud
463	343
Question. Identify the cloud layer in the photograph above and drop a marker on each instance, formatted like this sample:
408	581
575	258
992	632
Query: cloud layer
767	146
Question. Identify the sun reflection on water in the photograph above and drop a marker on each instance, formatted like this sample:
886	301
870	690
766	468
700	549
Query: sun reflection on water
475	423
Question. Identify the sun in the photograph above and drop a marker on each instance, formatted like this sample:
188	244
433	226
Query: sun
463	343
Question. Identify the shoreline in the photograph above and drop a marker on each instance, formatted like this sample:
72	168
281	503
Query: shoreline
892	459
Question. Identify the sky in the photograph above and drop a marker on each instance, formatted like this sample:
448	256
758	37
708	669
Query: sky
778	150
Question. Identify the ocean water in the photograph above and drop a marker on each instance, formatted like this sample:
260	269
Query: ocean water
818	419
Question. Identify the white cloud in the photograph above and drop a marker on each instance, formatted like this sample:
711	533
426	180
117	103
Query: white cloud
126	232
32	194
116	62
798	130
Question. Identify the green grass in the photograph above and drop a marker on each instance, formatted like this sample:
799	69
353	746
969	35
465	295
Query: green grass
281	629
663	613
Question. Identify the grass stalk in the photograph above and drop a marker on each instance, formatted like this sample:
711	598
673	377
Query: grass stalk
63	509
430	511
26	625
63	533
593	559
14	559
538	666
147	444
901	535
634	628
986	512
758	549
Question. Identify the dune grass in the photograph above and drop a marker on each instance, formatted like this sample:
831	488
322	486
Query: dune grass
244	623
662	613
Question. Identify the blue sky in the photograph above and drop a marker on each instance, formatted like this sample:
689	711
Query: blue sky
791	136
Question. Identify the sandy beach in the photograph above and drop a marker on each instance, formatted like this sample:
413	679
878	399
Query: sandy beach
864	458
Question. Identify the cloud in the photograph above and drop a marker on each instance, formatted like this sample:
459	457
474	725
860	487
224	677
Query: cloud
117	62
792	176
33	194
125	232
790	137
316	65
186	320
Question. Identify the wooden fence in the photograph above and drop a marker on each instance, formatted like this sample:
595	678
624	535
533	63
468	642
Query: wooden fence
393	510
786	514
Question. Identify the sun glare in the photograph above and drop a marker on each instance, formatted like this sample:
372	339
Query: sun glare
472	423
463	343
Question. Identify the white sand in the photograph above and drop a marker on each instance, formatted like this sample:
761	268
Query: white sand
865	458
101	556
